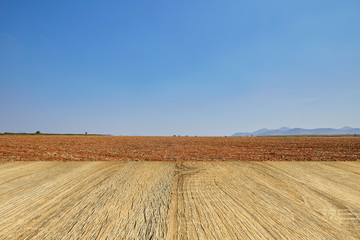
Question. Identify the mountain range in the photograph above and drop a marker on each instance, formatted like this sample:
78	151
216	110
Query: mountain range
299	131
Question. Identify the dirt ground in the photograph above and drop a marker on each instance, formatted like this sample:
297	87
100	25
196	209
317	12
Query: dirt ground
179	200
117	148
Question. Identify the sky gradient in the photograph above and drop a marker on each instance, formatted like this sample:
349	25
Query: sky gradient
206	68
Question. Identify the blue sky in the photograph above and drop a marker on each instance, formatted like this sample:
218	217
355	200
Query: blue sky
178	67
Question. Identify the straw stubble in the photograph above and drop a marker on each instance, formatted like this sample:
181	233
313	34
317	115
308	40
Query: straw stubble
180	200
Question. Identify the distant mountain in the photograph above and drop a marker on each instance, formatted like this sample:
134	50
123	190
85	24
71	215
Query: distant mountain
346	128
299	131
284	129
261	131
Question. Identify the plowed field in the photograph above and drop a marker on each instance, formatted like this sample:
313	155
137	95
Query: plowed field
180	200
107	148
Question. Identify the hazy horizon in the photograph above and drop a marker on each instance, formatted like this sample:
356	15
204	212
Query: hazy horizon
179	134
204	68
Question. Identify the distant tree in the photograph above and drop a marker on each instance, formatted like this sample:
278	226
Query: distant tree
37	132
85	133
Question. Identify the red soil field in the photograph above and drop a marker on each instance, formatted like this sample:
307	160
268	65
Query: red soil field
111	148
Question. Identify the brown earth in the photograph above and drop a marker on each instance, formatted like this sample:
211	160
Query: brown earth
180	200
108	148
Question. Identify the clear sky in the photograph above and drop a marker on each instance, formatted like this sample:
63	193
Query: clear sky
178	67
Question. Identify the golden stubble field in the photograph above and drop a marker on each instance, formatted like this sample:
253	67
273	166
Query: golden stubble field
179	188
179	200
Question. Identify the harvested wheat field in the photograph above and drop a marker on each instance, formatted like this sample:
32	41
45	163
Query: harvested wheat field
179	200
